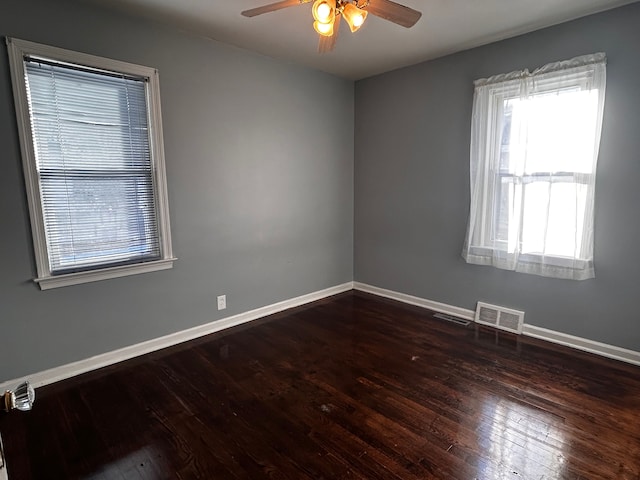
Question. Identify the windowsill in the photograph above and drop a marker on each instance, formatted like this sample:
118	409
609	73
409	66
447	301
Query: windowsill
536	264
67	279
556	260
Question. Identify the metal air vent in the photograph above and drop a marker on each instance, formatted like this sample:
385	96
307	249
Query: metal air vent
499	317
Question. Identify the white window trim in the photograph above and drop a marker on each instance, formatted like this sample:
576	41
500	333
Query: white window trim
498	97
18	49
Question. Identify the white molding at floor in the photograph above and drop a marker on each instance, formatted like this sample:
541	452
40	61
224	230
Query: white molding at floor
420	302
584	344
109	358
579	343
76	368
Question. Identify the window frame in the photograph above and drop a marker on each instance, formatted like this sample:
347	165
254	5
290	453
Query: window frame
18	50
500	94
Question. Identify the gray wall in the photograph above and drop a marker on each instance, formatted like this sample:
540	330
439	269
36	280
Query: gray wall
261	203
412	136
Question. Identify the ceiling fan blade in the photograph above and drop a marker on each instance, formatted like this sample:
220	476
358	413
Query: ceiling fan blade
327	44
272	7
394	12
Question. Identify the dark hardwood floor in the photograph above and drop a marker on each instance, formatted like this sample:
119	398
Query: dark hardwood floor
350	387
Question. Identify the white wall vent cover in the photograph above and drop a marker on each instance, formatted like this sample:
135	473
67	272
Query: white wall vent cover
499	317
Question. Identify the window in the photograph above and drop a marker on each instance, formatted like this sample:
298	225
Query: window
534	147
91	139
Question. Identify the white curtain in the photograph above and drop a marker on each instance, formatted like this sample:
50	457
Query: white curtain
534	148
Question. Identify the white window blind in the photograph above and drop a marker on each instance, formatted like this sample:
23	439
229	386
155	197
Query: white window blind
93	159
534	148
91	139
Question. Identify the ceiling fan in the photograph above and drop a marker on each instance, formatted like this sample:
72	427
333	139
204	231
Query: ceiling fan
326	14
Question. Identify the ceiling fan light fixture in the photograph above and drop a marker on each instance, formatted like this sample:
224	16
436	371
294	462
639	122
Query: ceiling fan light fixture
323	12
326	15
325	29
354	16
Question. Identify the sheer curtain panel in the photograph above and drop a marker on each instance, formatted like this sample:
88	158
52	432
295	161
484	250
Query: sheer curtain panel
534	148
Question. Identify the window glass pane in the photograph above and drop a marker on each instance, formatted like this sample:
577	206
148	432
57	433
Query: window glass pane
87	120
110	220
93	157
543	134
505	139
566	218
552	218
504	213
551	132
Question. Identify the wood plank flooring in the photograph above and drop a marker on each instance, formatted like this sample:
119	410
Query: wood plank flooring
350	387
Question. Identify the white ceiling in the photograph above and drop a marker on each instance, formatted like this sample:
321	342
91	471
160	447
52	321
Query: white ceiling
446	26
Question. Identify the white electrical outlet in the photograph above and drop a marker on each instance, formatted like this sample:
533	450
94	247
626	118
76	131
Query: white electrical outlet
222	302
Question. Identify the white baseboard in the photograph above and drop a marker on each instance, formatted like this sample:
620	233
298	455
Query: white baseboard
63	372
93	363
584	344
420	302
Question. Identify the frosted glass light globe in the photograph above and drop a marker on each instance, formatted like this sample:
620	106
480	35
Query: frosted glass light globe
324	12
